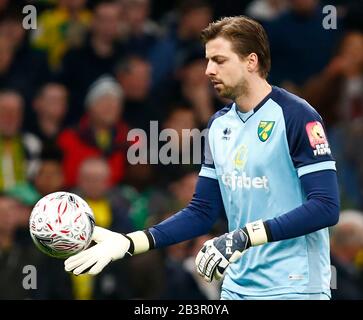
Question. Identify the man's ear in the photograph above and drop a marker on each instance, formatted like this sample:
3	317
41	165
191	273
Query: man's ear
252	62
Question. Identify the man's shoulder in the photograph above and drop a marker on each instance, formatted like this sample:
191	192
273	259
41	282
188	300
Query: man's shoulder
220	113
293	106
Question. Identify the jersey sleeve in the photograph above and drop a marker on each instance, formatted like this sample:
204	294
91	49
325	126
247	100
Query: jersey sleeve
307	140
208	169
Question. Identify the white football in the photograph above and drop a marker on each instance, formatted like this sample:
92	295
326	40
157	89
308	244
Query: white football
61	224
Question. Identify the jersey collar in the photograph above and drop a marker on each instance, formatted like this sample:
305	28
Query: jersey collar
244	116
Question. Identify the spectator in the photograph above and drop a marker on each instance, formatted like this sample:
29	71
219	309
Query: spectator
50	106
19	151
303	33
141	33
147	199
266	10
61	29
107	204
184	144
111	211
100	133
49	176
182	188
346	243
134	75
22	68
337	91
14	256
193	86
97	56
26	197
192	17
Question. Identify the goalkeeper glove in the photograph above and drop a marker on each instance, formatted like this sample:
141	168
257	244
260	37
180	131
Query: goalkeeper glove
216	254
110	246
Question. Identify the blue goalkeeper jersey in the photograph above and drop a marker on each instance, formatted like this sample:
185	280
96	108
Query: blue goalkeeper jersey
257	158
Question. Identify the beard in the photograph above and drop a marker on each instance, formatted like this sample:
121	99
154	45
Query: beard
229	92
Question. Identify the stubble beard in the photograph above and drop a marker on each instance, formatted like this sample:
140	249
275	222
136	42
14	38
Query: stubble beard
241	90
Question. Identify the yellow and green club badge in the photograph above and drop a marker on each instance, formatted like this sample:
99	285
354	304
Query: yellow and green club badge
264	129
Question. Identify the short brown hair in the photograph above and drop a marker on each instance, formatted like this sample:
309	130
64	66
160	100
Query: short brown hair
246	36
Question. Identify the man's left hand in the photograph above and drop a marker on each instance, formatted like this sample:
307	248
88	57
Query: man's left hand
216	254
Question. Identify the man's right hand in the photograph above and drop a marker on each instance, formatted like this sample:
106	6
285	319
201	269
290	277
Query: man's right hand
110	246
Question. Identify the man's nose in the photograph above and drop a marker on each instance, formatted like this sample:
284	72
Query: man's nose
210	70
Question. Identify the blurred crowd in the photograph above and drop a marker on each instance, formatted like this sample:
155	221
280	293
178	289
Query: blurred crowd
72	89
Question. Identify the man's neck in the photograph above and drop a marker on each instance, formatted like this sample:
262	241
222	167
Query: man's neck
258	89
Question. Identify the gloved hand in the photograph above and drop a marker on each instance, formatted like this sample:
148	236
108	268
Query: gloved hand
110	247
216	254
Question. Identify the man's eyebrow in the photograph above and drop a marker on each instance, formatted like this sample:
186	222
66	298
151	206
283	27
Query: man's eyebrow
217	56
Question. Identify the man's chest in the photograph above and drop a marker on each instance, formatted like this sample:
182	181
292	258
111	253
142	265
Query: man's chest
248	146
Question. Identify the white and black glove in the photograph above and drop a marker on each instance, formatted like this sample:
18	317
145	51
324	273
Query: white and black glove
216	254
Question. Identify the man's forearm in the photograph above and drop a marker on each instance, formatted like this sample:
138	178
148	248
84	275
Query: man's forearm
321	209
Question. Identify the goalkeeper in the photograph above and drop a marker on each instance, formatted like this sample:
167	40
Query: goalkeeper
267	165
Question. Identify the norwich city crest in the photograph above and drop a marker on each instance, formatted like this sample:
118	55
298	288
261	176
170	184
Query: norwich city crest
264	129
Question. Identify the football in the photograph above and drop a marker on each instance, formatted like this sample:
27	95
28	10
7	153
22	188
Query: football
61	224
